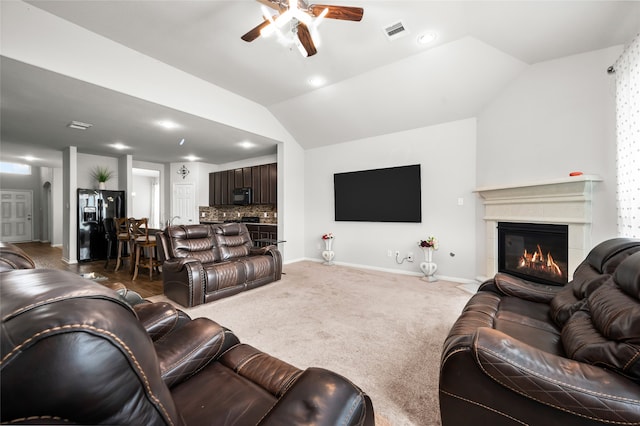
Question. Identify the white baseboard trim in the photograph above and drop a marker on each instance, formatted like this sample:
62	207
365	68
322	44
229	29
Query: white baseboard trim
395	271
56	245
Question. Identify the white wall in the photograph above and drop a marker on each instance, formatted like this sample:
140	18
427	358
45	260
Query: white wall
447	155
87	164
557	117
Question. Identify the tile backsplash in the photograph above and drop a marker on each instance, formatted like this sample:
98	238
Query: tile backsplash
266	212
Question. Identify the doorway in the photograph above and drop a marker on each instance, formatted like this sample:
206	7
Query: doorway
145	195
17	210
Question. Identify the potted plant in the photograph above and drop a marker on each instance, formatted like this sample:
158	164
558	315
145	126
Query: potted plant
102	175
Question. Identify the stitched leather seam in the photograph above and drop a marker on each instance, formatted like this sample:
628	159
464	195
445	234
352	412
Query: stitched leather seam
557	382
284	387
186	356
50	300
574	412
24	419
70	327
244	362
450	354
483	406
632	360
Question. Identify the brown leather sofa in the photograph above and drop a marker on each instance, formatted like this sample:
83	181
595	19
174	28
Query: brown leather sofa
74	352
13	257
522	353
203	262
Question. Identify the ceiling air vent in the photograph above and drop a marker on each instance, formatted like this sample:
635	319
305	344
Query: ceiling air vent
395	30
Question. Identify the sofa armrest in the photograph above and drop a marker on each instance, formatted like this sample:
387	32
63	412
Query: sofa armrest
160	318
187	350
177	264
571	386
322	398
509	285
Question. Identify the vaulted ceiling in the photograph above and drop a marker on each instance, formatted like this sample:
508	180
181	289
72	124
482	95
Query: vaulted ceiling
372	85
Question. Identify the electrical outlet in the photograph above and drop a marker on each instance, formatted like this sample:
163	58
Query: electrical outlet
389	253
410	256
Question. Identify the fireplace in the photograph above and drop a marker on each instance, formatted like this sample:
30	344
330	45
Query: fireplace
566	201
534	251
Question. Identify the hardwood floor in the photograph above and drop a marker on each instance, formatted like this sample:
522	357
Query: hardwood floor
49	257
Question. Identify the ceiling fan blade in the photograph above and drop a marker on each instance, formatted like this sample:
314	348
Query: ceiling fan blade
255	32
305	39
274	4
346	13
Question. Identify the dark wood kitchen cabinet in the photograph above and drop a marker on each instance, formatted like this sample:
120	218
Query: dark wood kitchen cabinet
262	179
265	184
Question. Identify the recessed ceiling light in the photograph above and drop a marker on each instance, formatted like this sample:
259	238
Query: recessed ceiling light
167	124
191	158
119	146
246	144
79	125
427	38
316	81
181	142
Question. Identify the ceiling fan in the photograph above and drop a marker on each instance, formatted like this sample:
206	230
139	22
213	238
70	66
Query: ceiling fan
302	20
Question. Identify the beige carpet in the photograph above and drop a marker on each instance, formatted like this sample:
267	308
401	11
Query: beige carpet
382	331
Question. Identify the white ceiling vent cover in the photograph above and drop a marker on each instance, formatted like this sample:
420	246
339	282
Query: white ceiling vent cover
395	30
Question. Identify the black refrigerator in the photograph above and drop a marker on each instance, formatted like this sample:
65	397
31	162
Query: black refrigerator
93	207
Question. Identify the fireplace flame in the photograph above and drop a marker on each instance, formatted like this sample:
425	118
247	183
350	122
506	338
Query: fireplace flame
537	261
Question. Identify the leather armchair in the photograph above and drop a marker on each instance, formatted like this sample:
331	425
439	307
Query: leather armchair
75	352
525	353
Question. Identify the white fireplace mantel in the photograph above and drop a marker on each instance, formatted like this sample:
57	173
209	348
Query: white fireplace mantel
564	201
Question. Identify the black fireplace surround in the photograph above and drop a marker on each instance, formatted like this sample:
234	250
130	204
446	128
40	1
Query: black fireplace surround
536	252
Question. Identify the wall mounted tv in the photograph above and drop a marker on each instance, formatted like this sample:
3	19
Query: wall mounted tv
381	195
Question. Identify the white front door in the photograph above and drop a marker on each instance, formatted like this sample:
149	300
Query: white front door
184	204
16	210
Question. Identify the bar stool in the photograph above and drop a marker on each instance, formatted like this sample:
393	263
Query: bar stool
123	236
145	247
111	236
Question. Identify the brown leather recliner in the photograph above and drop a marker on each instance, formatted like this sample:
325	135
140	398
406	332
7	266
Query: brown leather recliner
13	257
526	353
203	263
74	352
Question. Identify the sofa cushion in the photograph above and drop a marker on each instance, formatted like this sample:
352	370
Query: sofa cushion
607	331
596	269
233	240
195	241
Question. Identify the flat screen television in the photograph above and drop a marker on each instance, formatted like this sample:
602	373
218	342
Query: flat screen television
381	195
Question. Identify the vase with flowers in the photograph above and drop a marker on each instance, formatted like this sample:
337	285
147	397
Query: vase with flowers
328	253
428	267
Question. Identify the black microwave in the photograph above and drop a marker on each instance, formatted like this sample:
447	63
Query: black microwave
242	196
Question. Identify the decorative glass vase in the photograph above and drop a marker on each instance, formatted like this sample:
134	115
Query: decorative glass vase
427	267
